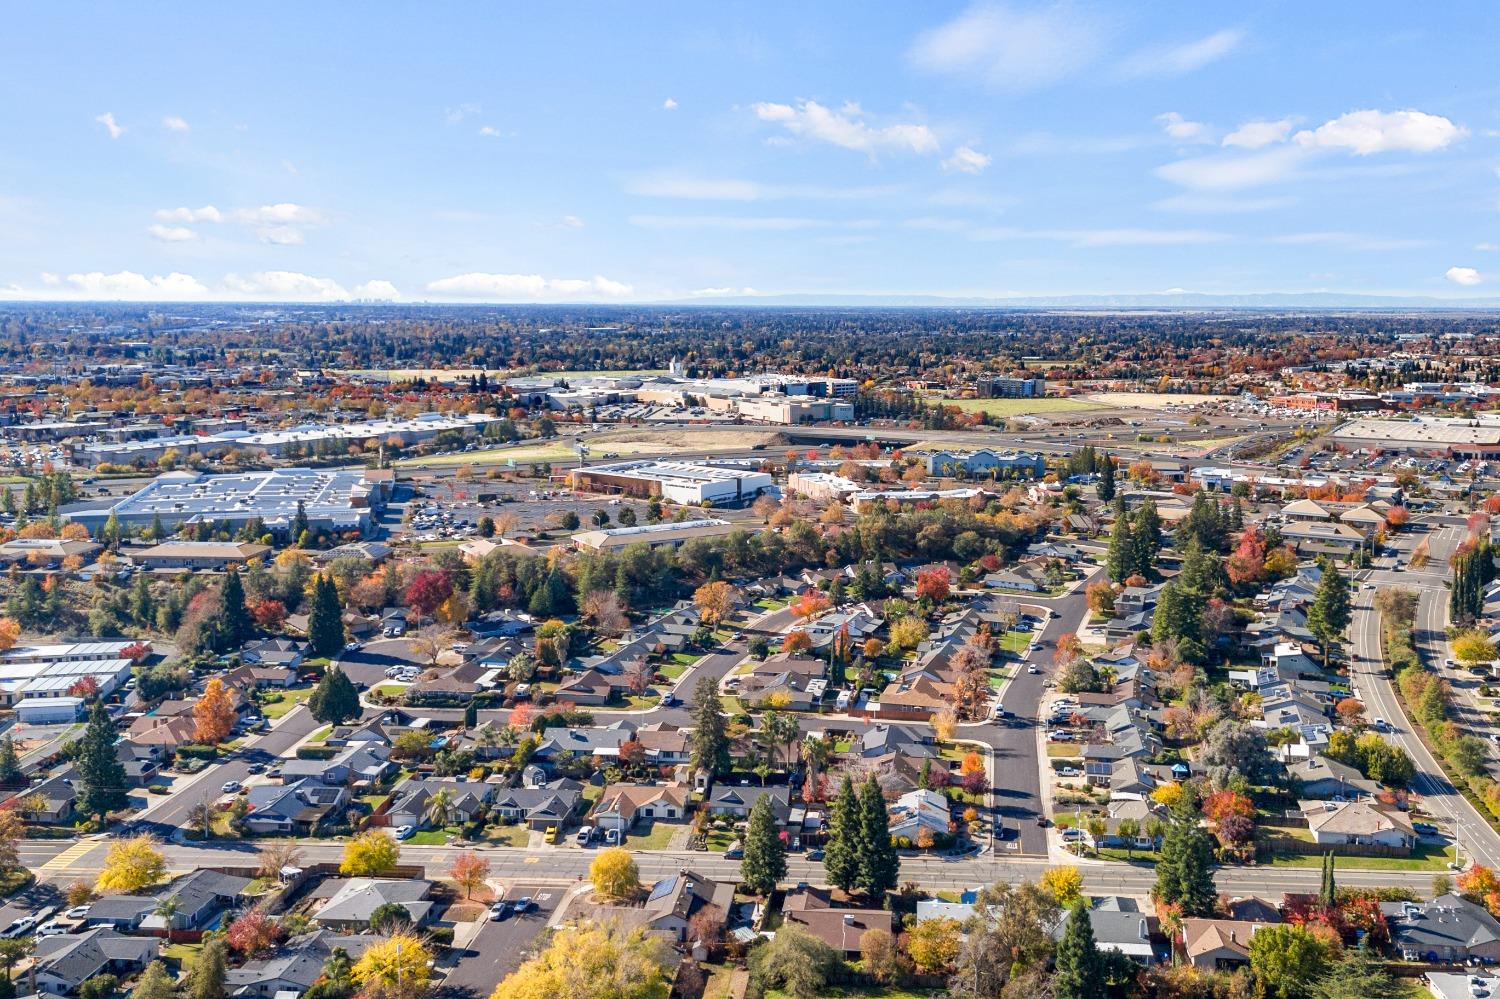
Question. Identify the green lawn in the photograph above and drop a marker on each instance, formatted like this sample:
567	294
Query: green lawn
1015	641
321	735
719	839
285	701
1065	750
390	689
655	838
183	954
1426	857
517	835
433	837
731	704
522	455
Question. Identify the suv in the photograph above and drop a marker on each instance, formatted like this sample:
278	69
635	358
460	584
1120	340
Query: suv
585	836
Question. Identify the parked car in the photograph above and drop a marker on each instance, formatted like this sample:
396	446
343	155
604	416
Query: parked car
524	904
585	835
612	837
231	787
405	832
499	911
51	928
78	911
1070	772
735	851
1033	668
19	928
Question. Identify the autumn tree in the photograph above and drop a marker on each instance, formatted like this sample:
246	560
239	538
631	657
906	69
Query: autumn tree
614	874
253	932
131	865
605	610
213	714
469	871
371	854
397	966
594	960
715	601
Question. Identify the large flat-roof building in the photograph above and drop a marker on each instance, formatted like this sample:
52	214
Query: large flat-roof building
37	672
1457	438
688	482
335	499
674	534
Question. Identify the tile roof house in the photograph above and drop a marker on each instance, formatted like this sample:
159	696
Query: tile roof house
355	899
65	962
841	929
1449	928
621	806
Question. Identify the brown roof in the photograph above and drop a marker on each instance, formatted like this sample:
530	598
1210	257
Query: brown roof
840	929
627	799
1202	936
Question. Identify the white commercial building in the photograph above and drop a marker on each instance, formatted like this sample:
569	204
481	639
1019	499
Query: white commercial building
687	482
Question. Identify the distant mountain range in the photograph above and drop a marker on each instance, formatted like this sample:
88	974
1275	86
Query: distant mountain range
1166	300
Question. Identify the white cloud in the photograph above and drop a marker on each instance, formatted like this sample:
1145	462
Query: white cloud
172	123
130	285
1208	204
1487	247
489	131
669	105
285	286
1466	276
733	189
1010	49
171	233
1366	132
723	293
966	160
1175	60
107	119
513	287
383	290
284	213
847	127
1229	172
1179	128
1257	134
280	235
208	213
572	222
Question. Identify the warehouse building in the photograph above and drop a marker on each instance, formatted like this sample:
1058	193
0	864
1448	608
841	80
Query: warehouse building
1454	438
687	482
673	535
791	410
45	672
337	500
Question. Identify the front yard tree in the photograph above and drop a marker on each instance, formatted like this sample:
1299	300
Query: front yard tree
155	983
131	865
1287	961
1183	877
764	862
1328	615
469	872
334	700
601	960
715	600
842	852
101	775
371	854
325	621
213	715
710	747
614	874
398	967
879	865
1080	969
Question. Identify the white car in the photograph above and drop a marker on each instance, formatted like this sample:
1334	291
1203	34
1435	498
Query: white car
78	911
231	787
405	832
19	928
1033	669
51	928
1070	772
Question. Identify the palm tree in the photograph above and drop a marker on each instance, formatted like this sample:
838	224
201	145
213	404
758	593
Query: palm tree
440	809
815	753
166	909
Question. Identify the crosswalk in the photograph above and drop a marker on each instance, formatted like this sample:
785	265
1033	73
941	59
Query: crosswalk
65	860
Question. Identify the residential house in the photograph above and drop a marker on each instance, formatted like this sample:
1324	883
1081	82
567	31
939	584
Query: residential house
296	965
301	807
738	800
1217	944
411	801
675	901
352	902
1120	925
813	910
274	652
55	800
552	804
917	810
601	744
199	898
591	688
1449	929
66	961
1320	778
621	806
369	762
1361	823
791	679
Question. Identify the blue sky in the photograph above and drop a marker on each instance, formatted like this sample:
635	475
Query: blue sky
636	153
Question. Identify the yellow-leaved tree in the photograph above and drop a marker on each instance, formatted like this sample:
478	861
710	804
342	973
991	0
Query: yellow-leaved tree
213	715
394	966
1065	884
370	854
614	873
130	865
593	961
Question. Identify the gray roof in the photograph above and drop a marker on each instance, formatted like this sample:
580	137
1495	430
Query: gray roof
77	958
357	898
195	890
1447	922
298	962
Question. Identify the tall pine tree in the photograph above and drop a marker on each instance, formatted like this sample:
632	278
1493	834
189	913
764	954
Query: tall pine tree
879	864
1120	561
237	623
1329	613
101	776
1145	539
1105	486
1080	967
764	862
334	700
325	621
1183	874
710	744
842	852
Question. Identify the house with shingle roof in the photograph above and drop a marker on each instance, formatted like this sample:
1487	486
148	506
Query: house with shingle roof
66	961
296	965
1361	823
356	899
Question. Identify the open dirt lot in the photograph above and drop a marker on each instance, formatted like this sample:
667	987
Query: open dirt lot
1151	400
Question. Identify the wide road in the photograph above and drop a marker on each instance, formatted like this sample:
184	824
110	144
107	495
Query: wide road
554	866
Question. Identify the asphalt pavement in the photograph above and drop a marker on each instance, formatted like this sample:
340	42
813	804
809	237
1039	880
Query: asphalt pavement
500	947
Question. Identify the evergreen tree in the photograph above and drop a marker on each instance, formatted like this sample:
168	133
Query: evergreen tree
10	764
471	714
879	865
334	700
1328	894
236	621
764	861
101	776
1105	486
1178	617
1183	875
325	622
710	744
1120	560
299	524
142	603
841	853
111	532
158	530
1145	541
1080	968
206	981
1328	614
